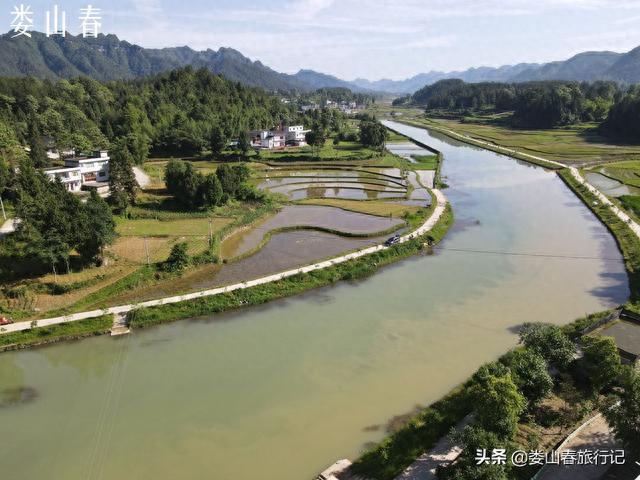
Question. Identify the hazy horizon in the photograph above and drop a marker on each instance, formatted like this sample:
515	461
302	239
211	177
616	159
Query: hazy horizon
371	39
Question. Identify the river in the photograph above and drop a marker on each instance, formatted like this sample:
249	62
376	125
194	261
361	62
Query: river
283	390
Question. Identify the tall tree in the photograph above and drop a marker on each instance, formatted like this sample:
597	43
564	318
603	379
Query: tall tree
624	414
244	144
217	140
37	150
531	374
373	134
601	360
549	341
122	180
498	405
211	193
316	138
98	228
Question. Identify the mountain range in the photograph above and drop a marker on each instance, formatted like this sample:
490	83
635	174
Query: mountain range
109	58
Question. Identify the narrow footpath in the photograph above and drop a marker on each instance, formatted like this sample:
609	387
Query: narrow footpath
124	309
442	453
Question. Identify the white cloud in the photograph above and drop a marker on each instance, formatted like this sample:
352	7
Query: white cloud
375	38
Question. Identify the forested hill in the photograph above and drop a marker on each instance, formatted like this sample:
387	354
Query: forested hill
542	104
171	112
109	58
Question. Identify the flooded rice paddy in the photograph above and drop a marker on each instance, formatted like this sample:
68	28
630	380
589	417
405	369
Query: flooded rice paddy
321	217
610	186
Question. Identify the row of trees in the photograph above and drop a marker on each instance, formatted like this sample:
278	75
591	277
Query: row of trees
535	104
192	189
502	392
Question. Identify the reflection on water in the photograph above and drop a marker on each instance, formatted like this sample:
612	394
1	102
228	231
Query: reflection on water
407	150
283	390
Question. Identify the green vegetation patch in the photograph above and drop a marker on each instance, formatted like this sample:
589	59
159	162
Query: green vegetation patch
179	227
426	162
631	203
625	172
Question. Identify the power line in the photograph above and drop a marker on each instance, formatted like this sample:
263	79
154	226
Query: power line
526	254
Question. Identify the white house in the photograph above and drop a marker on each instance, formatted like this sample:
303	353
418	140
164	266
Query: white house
91	172
284	136
92	169
296	135
70	177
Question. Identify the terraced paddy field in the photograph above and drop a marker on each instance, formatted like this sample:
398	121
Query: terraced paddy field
352	183
308	217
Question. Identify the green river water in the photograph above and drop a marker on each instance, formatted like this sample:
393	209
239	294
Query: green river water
284	390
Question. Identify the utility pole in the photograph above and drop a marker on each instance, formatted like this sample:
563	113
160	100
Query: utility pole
210	234
146	249
2	205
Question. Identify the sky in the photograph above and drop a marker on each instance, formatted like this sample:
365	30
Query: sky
367	38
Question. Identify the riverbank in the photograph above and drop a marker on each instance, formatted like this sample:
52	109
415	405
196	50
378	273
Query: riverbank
625	237
533	159
346	267
398	451
40	336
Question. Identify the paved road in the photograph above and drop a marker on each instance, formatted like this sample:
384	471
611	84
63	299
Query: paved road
593	435
424	468
9	226
603	198
424	228
141	177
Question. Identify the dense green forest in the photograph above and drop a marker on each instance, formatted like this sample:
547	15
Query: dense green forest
173	112
538	104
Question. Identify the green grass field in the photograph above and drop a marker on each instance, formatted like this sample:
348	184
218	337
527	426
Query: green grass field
371	207
625	172
343	151
159	228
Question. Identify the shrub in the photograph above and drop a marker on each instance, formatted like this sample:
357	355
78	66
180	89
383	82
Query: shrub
178	258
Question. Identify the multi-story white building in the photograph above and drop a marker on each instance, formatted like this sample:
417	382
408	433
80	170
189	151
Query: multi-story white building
295	135
70	177
280	138
77	172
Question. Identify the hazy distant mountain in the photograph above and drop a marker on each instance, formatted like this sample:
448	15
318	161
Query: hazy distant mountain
582	67
627	67
318	80
108	58
480	74
588	66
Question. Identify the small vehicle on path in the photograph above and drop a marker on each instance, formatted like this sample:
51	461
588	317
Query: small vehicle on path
5	321
392	240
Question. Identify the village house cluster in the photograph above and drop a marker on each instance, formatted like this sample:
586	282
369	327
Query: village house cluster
280	137
83	173
345	107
